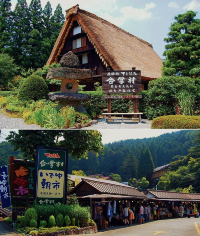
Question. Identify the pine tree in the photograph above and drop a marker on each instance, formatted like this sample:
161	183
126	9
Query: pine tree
129	167
20	31
183	46
57	22
5	23
46	44
145	166
35	36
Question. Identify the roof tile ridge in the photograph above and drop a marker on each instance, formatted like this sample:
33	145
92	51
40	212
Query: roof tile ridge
72	11
117	27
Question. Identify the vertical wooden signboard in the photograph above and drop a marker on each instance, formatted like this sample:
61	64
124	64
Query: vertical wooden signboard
51	175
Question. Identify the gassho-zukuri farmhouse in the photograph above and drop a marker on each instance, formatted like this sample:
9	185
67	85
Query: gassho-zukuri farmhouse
101	45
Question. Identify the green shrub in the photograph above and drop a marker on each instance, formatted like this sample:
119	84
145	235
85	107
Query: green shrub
51	221
33	223
20	222
59	220
163	94
43	224
33	88
91	222
8	219
176	122
73	221
29	215
67	220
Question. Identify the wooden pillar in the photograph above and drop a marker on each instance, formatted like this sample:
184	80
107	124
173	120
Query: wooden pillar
91	206
109	101
134	100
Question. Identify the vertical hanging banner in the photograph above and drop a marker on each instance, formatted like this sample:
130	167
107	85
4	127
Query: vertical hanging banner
51	175
4	187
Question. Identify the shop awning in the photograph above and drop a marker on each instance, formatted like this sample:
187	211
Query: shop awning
113	196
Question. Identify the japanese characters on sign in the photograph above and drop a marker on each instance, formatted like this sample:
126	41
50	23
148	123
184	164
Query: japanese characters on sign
23	179
121	96
51	175
114	82
4	187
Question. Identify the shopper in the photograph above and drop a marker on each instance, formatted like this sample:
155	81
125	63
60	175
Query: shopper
141	214
149	212
145	213
125	212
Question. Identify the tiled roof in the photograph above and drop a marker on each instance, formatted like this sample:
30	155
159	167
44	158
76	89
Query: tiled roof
115	47
113	188
161	194
161	168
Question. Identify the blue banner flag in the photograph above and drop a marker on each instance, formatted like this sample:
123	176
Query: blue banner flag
4	187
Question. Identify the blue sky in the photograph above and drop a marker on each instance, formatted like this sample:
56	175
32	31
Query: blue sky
149	20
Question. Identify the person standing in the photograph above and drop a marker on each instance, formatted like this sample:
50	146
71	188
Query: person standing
155	212
181	209
125	212
149	212
145	213
141	214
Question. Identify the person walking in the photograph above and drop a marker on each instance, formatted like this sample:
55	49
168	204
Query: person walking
141	214
125	212
145	213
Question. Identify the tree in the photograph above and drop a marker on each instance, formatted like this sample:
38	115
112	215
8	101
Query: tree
78	143
78	173
7	70
5	23
146	166
130	166
20	31
57	21
116	177
144	183
183	46
195	151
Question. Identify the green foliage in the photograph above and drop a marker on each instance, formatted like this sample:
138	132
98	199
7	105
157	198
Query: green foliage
59	220
116	177
162	97
182	49
78	172
43	224
133	182
72	200
7	70
195	151
78	143
20	222
8	219
51	221
33	88
67	220
186	103
145	164
176	122
73	221
129	166
29	215
144	183
33	223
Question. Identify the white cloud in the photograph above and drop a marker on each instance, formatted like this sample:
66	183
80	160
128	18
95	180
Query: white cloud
193	5
173	5
130	13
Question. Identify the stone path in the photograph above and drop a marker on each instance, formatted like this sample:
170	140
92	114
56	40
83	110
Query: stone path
146	124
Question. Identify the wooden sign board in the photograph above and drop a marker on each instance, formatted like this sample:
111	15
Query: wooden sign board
121	96
115	82
51	177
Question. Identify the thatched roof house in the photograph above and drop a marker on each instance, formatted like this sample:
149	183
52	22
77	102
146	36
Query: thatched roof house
101	45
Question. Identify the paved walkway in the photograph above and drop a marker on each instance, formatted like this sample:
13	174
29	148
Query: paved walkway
5	230
146	124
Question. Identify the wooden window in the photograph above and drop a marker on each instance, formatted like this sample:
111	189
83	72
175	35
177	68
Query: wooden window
76	43
77	30
85	58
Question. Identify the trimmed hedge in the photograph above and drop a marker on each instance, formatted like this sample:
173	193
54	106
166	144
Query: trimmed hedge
33	88
176	122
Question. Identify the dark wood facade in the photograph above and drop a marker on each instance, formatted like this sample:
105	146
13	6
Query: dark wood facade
94	62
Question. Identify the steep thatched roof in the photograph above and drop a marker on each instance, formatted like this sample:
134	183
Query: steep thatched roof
116	47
